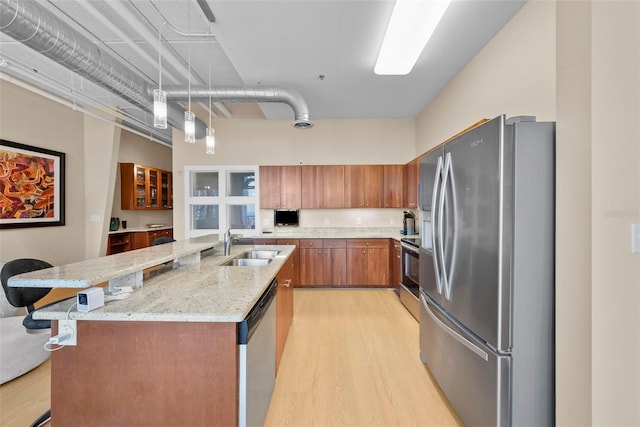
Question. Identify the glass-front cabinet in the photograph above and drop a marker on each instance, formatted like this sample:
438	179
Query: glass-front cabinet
221	198
144	187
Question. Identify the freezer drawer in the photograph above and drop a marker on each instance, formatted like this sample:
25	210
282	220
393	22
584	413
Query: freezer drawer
475	379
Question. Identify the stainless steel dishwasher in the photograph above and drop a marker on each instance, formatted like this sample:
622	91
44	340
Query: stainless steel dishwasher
257	357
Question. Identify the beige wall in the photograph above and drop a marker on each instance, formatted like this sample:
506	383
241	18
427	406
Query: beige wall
615	205
276	142
136	149
514	74
30	119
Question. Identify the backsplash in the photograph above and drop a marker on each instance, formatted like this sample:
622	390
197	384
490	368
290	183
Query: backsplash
315	218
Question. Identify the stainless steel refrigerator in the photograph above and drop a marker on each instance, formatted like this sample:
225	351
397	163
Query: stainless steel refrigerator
487	272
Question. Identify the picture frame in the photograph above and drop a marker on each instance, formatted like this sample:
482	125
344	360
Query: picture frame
32	186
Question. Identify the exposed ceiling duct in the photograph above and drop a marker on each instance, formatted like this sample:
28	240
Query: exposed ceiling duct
36	27
248	94
33	25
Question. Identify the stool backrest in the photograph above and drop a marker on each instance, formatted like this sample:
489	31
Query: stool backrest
22	297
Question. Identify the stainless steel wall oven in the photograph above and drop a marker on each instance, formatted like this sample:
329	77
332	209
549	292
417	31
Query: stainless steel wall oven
410	287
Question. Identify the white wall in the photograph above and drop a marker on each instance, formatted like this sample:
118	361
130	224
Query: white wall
28	118
513	74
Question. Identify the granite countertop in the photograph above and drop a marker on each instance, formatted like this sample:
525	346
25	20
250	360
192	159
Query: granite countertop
91	272
334	233
205	292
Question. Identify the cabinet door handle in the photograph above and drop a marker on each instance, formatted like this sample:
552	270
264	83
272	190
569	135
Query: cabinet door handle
287	283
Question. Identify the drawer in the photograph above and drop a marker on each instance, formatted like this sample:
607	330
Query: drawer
368	243
264	242
334	243
310	243
294	242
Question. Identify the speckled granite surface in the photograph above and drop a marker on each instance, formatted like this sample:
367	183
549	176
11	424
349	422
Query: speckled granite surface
207	292
90	272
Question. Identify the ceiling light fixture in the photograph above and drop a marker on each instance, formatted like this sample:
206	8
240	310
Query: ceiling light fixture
160	96
411	26
189	117
210	139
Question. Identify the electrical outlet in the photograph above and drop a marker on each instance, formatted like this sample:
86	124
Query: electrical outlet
635	238
358	221
391	221
326	221
68	327
265	221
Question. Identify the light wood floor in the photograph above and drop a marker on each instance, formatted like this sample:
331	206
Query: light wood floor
351	359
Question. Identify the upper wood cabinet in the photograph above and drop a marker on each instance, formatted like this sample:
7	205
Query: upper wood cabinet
280	187
364	186
393	186
322	186
144	187
412	170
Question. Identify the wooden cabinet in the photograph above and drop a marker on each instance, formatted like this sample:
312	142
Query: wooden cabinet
280	187
322	186
129	241
396	265
143	187
364	186
368	262
322	262
412	171
295	259
393	187
118	242
284	307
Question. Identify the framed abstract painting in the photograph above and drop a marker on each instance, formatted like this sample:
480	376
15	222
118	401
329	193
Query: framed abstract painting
32	183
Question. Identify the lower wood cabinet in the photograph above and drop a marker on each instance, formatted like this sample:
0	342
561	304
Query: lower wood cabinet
368	262
396	265
322	262
128	241
284	307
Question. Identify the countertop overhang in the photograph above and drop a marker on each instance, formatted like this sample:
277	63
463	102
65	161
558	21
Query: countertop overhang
203	292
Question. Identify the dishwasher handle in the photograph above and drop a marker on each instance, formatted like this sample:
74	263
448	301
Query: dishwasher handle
246	328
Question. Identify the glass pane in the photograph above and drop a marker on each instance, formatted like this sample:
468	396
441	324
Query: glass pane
205	217
242	216
242	184
153	188
204	184
141	188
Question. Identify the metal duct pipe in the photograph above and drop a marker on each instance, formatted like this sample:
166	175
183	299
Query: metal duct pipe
248	94
36	27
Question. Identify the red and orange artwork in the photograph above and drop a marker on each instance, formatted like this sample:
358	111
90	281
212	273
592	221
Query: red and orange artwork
27	186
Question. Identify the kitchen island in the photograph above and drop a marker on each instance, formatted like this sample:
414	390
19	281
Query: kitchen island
165	355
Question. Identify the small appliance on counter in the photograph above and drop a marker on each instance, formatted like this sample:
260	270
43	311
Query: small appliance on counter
408	224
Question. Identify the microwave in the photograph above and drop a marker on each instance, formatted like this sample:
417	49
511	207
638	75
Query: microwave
285	217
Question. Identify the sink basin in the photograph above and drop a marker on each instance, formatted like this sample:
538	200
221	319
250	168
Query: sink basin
247	262
260	254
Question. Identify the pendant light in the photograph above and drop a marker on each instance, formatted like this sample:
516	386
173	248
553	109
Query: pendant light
210	140
189	117
160	96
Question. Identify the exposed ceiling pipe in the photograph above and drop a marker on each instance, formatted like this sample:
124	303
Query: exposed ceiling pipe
36	27
249	94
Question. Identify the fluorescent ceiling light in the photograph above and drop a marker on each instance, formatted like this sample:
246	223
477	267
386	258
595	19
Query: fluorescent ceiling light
411	25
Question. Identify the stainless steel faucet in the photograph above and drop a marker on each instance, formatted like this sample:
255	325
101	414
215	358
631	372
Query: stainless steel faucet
227	242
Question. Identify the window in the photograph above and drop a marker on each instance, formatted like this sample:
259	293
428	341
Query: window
221	197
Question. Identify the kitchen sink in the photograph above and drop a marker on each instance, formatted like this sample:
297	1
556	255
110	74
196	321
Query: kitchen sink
260	254
247	262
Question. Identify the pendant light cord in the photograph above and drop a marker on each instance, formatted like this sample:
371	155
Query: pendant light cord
160	53
189	48
210	76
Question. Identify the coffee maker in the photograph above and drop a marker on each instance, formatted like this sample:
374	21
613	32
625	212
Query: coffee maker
409	223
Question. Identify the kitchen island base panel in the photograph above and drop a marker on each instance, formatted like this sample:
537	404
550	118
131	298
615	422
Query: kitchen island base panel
146	373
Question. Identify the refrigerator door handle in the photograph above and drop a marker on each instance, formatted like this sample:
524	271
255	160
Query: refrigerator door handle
447	274
441	256
462	340
434	219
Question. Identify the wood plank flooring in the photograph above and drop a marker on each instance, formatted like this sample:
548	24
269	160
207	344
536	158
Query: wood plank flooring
351	359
